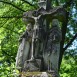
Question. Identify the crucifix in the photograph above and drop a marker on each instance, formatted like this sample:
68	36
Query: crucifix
40	44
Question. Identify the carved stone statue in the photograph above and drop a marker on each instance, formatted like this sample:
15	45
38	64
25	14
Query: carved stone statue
24	47
40	44
52	50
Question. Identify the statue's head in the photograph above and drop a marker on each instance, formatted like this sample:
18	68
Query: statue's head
42	4
55	22
29	27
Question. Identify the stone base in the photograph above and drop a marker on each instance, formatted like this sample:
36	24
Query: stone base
39	74
36	74
32	65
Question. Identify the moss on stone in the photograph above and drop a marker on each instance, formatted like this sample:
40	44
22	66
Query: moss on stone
35	74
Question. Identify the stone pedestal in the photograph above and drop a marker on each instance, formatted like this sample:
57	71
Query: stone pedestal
36	74
32	69
32	65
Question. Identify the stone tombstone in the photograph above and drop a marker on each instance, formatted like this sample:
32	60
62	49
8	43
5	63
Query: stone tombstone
39	47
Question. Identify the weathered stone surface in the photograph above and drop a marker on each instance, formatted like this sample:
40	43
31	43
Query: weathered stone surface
36	74
42	48
39	74
32	65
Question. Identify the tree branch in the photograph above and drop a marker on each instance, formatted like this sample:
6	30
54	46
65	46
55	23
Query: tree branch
9	3
74	37
11	17
64	28
29	3
8	28
3	24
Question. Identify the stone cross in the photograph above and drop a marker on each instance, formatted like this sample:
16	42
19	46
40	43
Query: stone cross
46	4
40	44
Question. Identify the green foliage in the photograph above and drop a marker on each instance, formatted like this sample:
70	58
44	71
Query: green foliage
8	71
69	67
